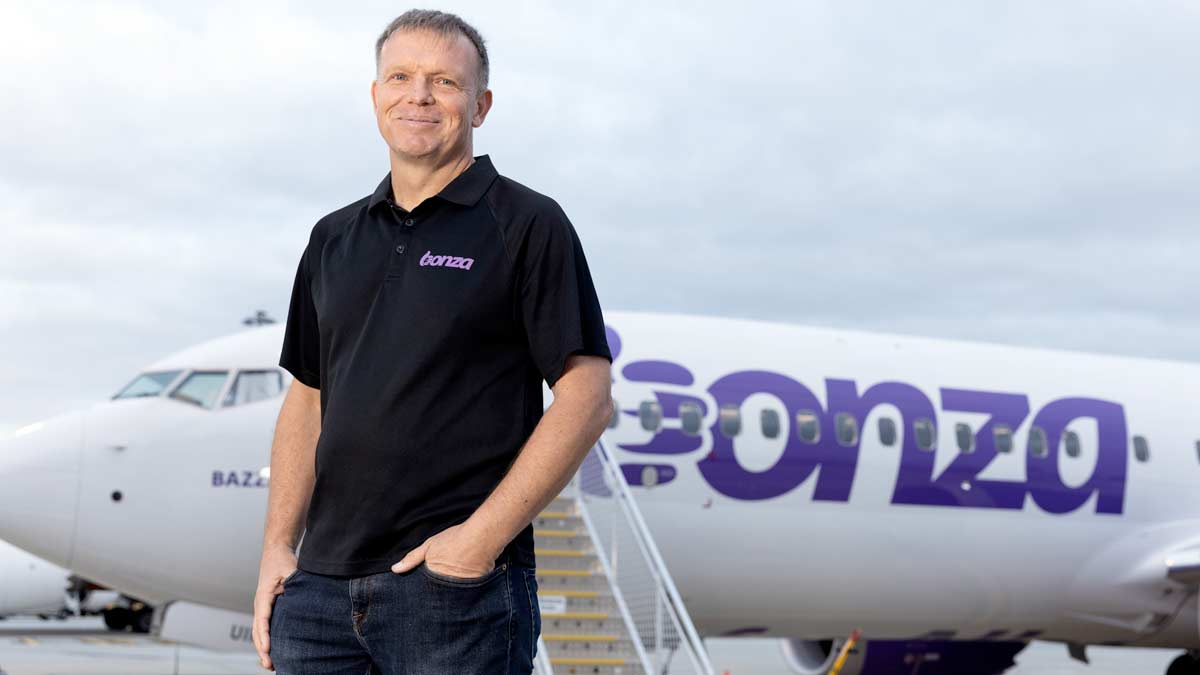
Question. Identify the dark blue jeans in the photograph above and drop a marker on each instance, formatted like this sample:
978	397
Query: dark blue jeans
416	623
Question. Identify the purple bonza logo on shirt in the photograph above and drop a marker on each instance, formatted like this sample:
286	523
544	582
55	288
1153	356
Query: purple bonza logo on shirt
446	261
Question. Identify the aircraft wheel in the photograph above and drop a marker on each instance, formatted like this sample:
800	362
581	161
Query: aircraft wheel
142	620
116	618
1184	665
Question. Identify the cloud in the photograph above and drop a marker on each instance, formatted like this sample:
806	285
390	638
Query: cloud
1016	172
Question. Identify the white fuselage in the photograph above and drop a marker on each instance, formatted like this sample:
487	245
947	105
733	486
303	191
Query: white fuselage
764	532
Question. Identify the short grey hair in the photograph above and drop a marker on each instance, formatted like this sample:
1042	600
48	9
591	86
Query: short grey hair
443	23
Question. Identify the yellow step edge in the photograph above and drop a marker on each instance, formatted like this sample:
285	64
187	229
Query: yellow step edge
584	661
565	573
582	638
569	594
576	615
555	533
562	552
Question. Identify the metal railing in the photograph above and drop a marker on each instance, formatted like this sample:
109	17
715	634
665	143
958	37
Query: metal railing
641	584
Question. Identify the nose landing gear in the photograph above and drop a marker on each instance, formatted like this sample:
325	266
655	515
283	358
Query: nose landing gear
137	617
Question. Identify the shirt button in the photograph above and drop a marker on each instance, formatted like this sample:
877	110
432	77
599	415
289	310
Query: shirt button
400	248
409	222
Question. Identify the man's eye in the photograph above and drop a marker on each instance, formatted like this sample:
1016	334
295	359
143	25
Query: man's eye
398	76
446	81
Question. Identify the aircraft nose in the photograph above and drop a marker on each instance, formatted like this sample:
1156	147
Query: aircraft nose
39	486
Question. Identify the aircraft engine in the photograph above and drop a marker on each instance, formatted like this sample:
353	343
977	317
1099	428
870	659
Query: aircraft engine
902	657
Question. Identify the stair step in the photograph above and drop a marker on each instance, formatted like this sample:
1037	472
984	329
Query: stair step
558	533
581	637
554	582
576	615
580	623
579	601
597	669
566	593
566	558
562	552
563	543
590	661
562	560
622	649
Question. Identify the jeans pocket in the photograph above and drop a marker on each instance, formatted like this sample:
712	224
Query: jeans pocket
289	577
462	582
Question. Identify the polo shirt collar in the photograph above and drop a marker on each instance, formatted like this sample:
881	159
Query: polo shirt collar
466	188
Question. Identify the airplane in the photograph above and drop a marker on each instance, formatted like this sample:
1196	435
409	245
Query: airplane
953	500
30	585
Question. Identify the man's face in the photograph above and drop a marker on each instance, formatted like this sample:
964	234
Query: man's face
425	94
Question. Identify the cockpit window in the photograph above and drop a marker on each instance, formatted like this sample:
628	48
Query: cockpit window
201	388
254	385
148	384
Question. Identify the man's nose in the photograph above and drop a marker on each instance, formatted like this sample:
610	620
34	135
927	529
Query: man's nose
39	486
419	92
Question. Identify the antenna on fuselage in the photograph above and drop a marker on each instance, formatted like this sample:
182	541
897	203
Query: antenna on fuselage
260	318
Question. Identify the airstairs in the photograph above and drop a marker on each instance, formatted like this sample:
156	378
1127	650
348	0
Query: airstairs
608	604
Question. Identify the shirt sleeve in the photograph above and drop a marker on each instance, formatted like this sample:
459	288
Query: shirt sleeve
558	304
301	355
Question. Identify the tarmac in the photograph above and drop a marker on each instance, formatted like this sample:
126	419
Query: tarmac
83	646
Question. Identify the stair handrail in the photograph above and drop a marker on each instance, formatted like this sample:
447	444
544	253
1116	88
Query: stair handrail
658	567
610	574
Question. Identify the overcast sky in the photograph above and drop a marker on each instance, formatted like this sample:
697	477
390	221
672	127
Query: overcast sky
1019	172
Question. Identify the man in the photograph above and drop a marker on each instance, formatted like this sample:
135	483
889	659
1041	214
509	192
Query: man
412	444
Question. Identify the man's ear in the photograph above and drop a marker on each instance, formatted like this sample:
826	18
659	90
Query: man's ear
374	100
483	103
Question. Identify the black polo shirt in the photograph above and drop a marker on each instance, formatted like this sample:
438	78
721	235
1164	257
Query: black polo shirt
429	334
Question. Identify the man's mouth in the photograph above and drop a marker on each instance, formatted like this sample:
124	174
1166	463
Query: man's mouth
418	120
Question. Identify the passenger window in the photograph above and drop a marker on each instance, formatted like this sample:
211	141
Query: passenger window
731	420
616	415
887	431
649	476
201	388
1003	436
926	435
1198	451
1037	442
807	426
770	424
650	412
254	385
689	415
148	384
1071	443
847	429
1141	449
964	437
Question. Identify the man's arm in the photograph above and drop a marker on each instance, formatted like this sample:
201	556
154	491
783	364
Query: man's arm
293	464
288	493
569	428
